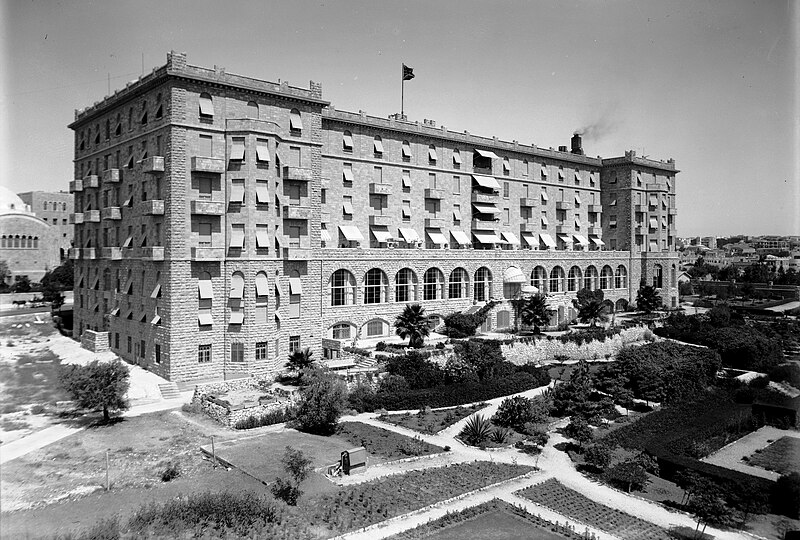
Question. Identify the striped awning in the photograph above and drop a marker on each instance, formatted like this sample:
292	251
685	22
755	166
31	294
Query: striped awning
512	274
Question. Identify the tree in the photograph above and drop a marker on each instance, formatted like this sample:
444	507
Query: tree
300	360
647	299
515	412
598	456
412	323
3	274
533	311
589	304
630	474
579	430
709	508
786	495
321	402
298	467
22	284
97	385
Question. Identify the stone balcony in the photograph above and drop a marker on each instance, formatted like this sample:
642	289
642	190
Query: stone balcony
594	208
658	188
597	231
489	225
208	165
640	208
488	198
208	253
153	207
75	186
563	229
154	253
112	253
207	208
111	176
434	193
153	165
380	220
564	205
298	212
92	216
380	189
434	223
527	202
88	253
74	253
76	218
528	227
672	211
325	216
300	174
110	213
91	181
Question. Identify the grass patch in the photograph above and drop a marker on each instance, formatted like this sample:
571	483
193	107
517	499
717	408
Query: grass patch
782	456
33	379
428	421
384	443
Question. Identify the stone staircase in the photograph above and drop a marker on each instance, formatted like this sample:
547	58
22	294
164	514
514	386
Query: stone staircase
169	390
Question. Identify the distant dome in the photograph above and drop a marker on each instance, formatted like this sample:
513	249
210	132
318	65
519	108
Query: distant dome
11	204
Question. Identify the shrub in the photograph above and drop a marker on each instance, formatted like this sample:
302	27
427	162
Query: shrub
193	407
270	418
297	467
515	412
476	430
598	456
97	385
380	346
629	474
786	495
499	435
172	471
321	403
413	447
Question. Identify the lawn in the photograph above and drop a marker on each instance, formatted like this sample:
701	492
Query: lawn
493	520
384	444
782	456
430	422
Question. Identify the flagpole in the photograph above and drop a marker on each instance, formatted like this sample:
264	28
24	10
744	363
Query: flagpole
402	90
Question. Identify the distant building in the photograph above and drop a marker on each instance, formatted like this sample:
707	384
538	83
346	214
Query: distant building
709	242
55	209
28	245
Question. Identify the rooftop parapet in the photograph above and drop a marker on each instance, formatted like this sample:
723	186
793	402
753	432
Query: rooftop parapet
631	157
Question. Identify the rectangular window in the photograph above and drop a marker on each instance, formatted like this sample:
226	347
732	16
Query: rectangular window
377	175
262	192
130	344
432	180
347	205
406	181
506	216
294	306
237	192
262	150
205	147
347	174
406	211
506	189
294	156
237	149
237	236
294	344
456	214
204	354
158	353
456	184
237	352
261	350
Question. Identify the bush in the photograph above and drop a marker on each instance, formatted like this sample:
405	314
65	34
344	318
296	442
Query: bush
499	435
476	430
172	471
629	474
598	456
786	495
515	412
97	385
193	407
380	346
277	416
321	403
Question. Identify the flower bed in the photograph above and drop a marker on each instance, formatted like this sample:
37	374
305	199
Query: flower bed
428	421
546	349
559	498
780	456
384	443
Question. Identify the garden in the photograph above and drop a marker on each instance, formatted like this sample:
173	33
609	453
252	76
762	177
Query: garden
431	421
781	456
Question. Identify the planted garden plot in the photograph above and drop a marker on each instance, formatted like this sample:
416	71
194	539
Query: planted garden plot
782	456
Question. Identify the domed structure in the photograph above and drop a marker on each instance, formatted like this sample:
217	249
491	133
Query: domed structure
10	203
27	244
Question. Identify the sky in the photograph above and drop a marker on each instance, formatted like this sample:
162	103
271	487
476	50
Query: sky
711	84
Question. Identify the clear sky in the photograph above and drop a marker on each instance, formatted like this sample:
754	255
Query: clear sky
709	83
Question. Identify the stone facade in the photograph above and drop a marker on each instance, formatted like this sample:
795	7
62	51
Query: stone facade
213	211
55	209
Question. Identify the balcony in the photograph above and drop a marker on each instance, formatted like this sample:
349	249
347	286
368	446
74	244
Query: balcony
482	170
527	227
672	211
488	198
640	229
325	216
299	174
527	202
153	165
434	223
207	208
110	212
91	181
434	193
154	207
208	165
594	230
380	189
662	188
594	208
74	253
207	253
88	253
297	212
76	218
381	220
112	253
490	225
564	205
111	175
75	185
92	216
640	208
563	229
155	253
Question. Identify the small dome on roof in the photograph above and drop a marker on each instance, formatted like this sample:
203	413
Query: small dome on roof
10	203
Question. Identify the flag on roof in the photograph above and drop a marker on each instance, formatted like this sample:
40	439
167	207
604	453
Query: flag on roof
408	73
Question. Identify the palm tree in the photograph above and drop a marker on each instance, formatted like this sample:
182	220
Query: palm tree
412	323
534	311
300	359
647	299
592	312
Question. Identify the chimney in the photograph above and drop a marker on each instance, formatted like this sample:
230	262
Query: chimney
577	147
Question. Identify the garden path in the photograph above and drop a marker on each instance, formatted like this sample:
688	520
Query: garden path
730	456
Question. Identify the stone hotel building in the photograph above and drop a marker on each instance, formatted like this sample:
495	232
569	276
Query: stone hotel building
223	221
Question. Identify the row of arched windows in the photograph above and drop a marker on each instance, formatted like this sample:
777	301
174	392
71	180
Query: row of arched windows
19	242
54	206
577	279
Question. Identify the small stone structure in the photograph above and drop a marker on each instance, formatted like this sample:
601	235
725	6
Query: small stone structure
228	414
96	342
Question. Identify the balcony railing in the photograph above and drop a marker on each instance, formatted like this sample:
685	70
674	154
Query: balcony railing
208	165
208	253
207	208
527	227
92	216
153	165
91	181
75	186
594	208
381	220
300	174
527	202
564	205
76	218
88	253
154	253
380	189
153	207
111	175
485	225
74	253
594	230
434	193
111	212
298	212
112	253
434	223
482	197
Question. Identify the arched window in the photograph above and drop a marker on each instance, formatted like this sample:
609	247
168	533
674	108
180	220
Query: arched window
376	286
621	278
16	241
341	331
118	128
606	278
3	241
658	277
343	288
108	129
459	284
406	151
252	110
574	279
206	297
673	278
44	205
432	156
456	158
143	119
262	297
347	141
295	122
434	321
590	278
376	328
557	279
377	146
539	279
482	284
433	284
237	286
621	305
405	286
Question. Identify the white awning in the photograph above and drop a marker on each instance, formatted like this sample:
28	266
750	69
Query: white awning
347	141
457	157
205	289
460	236
406	150
378	144
437	237
324	235
127	242
204	318
432	154
237	287
545	198
487	182
156	319
544	170
351	232
237	149
262	238
653	223
347	207
237	238
653	245
547	239
114	312
347	174
653	200
382	236
295	121
561	173
577	176
486	237
544	221
510	237
613	202
577	223
486	154
295	285
156	291
531	239
597	241
664	222
512	274
612	223
237	317
506	165
206	106
529	289
456	214
237	193
577	199
262	286
486	208
278	317
582	240
566	238
406	212
406	179
262	193
409	235
262	150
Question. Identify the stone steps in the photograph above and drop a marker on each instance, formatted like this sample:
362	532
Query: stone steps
169	390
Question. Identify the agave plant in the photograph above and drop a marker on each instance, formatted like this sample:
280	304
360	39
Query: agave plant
499	435
476	430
